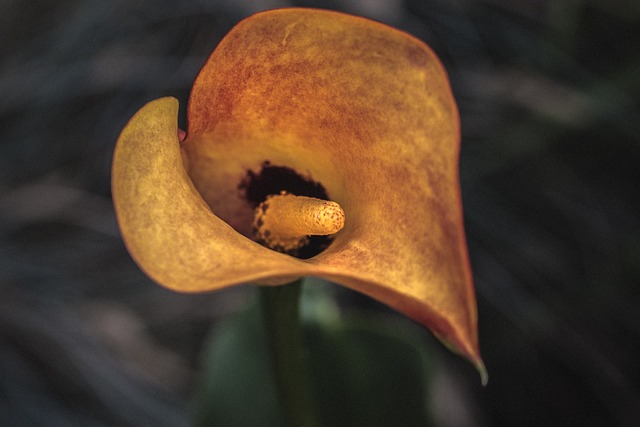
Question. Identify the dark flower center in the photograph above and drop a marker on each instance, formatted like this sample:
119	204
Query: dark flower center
272	179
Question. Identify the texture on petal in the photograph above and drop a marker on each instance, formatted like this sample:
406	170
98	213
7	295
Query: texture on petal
360	107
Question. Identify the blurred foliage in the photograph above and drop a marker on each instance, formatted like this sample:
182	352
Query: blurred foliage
364	372
548	94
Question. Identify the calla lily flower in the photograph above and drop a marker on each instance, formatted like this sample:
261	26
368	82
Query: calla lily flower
319	104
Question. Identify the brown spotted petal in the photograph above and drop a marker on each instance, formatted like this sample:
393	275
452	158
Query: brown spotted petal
363	109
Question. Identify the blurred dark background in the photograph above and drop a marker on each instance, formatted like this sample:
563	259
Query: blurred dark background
548	93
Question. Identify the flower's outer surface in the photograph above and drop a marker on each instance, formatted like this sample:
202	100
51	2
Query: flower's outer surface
362	108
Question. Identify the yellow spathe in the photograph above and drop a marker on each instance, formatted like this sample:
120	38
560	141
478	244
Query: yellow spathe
362	108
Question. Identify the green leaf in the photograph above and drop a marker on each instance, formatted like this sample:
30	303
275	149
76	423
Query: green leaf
237	388
364	375
371	372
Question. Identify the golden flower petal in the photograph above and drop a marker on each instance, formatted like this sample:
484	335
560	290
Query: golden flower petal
362	108
167	227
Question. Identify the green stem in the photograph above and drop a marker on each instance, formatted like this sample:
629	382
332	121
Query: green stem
280	309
